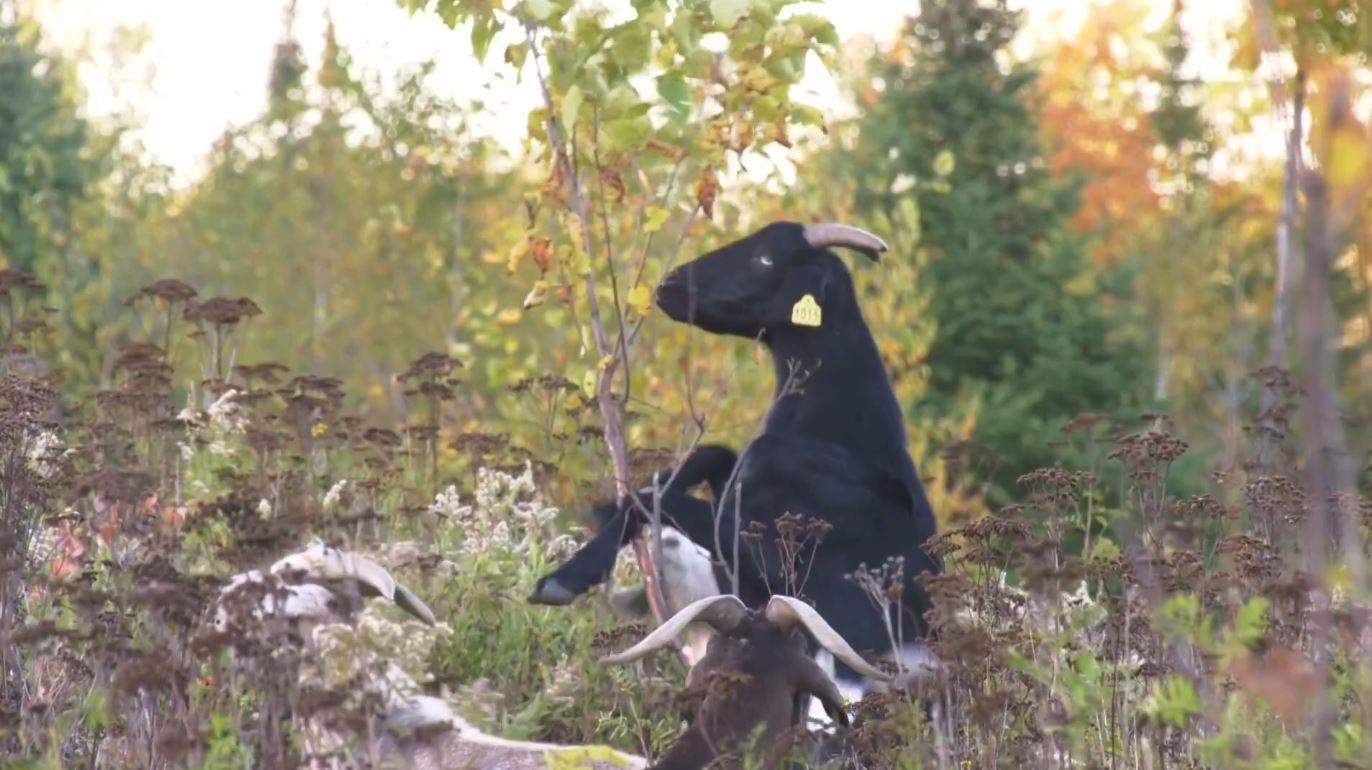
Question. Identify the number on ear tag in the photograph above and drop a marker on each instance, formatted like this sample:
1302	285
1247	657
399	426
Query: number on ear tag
806	312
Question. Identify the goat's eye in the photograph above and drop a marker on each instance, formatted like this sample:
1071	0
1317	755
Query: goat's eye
764	260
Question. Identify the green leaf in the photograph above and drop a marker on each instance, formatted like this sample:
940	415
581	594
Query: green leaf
627	134
539	9
727	12
1173	701
805	115
483	30
571	105
449	11
944	162
1251	623
653	16
673	88
515	55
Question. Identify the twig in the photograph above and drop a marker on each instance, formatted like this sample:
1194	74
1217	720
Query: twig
610	412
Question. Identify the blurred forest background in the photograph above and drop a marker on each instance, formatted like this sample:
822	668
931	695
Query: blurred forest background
1084	223
1127	309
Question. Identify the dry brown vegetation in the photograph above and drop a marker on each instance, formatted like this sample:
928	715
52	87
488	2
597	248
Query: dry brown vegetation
1099	623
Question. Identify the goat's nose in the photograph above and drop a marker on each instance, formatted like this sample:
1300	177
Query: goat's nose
671	282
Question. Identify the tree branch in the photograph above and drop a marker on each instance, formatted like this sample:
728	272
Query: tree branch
611	413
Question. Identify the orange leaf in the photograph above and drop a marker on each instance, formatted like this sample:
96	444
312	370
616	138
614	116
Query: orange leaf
706	188
542	252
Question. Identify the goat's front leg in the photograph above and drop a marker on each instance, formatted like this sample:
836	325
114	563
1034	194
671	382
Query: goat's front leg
592	563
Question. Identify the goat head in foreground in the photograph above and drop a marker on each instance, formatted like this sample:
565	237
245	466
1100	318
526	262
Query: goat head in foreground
755	673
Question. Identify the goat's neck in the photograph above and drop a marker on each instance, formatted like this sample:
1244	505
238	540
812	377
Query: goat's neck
845	394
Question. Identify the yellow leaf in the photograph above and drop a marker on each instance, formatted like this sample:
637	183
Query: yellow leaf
517	254
588	383
1348	157
654	219
944	163
574	232
640	299
508	317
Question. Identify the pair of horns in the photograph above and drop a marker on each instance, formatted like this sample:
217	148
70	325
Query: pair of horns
824	234
725	611
324	562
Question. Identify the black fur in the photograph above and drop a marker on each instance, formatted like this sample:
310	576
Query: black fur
835	448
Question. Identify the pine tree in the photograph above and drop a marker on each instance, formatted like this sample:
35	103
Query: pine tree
1021	315
42	139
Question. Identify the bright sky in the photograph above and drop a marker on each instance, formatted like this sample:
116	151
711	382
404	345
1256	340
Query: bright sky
205	65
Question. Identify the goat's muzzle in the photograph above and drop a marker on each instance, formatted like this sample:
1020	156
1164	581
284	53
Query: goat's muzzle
673	295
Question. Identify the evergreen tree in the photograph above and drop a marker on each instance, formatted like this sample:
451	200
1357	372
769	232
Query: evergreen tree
42	167
1022	318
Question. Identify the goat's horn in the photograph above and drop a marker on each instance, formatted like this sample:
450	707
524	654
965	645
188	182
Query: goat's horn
786	611
411	603
723	612
824	234
321	561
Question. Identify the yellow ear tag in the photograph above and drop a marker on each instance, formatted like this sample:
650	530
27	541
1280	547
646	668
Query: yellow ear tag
806	312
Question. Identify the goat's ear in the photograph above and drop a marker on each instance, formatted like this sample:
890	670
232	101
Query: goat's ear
800	300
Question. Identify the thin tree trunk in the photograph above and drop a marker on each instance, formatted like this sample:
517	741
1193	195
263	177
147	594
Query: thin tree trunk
611	411
455	278
1281	299
1327	452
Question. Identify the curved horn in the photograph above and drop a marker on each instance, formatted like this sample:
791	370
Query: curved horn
322	561
411	603
824	234
723	612
786	611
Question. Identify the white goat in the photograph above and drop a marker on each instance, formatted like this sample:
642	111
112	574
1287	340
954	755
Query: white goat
319	590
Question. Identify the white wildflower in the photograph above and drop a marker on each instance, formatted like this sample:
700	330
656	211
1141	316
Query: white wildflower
264	508
190	415
626	566
46	449
335	493
564	685
187	452
534	516
497	491
448	504
227	416
483	540
562	547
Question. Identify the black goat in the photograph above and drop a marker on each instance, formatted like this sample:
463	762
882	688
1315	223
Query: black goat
833	448
755	673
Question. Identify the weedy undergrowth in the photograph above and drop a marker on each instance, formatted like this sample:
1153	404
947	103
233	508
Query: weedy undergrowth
1095	624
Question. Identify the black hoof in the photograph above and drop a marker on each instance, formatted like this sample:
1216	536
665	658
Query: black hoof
550	592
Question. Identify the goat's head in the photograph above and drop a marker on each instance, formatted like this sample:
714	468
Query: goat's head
763	280
767	667
349	573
